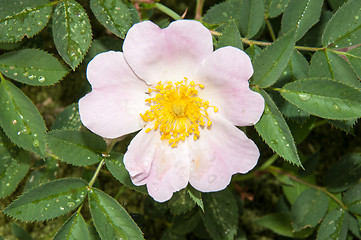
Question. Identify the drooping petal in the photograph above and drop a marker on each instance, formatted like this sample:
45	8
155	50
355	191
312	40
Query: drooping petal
218	154
112	109
151	161
168	54
225	75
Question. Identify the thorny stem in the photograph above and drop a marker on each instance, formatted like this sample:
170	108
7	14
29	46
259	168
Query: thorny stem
270	29
167	11
279	171
199	9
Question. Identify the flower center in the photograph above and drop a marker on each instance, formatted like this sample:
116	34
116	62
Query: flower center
177	111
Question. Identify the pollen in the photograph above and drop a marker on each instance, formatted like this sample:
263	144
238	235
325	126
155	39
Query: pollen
177	111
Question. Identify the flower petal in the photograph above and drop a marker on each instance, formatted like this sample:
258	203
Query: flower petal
168	54
112	109
219	153
151	161
225	75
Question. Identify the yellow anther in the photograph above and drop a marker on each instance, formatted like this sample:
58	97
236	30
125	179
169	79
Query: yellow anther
177	111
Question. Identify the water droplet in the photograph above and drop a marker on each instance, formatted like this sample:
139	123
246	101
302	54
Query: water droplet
274	141
336	107
61	208
287	145
212	178
7	184
40	23
357	17
14	121
20	29
35	135
31	77
10	28
28	29
68	197
56	200
70	204
12	67
304	96
41	79
26	74
36	143
15	74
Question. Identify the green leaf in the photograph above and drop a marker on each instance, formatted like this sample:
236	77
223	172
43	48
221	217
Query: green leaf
324	98
110	219
114	15
354	58
353	226
196	196
220	215
251	17
230	37
181	202
334	226
116	167
186	223
14	164
19	18
32	66
344	173
223	12
280	223
327	64
71	31
68	119
79	148
274	8
344	28
293	191
20	119
20	232
275	132
309	209
74	228
352	199
48	201
252	51
270	63
301	15
45	171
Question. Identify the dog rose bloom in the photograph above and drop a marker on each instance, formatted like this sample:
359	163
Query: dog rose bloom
185	99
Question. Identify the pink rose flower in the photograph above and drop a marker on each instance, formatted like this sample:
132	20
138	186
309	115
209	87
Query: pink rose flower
185	98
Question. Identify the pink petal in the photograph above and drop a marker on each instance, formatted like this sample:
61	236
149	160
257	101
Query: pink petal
218	154
168	54
151	161
225	75
112	109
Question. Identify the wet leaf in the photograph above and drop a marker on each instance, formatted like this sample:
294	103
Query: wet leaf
19	18
20	119
32	66
71	31
74	228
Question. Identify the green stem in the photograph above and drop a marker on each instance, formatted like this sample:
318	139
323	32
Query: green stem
167	11
269	162
105	155
199	9
270	29
334	198
265	44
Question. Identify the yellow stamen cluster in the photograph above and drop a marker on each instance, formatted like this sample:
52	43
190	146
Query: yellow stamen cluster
177	111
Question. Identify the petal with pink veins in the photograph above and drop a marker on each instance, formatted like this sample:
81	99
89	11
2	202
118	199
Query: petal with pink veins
168	54
112	109
225	75
151	161
218	154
